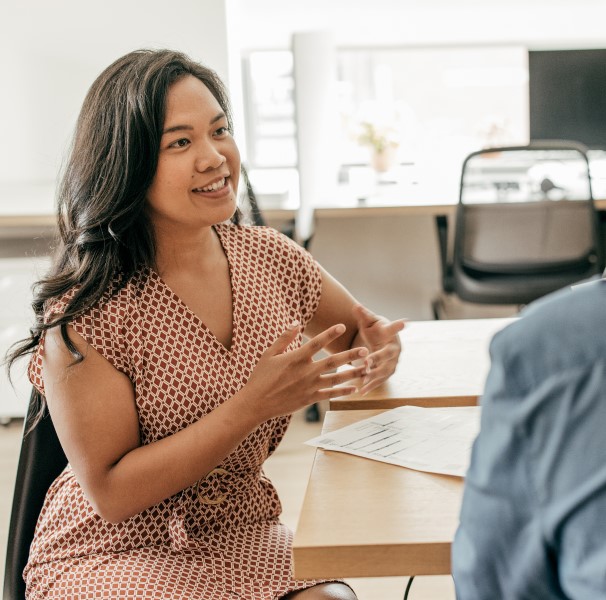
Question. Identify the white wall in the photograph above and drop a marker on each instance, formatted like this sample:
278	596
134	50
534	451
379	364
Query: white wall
50	53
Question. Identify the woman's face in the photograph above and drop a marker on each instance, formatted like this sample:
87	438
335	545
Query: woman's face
196	181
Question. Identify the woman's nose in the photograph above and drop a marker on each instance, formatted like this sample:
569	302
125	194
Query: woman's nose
209	158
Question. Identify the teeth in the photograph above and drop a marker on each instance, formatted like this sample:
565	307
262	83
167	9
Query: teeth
214	186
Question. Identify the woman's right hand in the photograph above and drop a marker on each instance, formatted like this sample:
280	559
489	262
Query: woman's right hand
284	382
98	425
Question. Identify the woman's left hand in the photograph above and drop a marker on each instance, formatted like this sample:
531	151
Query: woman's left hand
381	338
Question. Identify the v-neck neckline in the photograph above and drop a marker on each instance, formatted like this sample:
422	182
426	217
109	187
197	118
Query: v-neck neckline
198	320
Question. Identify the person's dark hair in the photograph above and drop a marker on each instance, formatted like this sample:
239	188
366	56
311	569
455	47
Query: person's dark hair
103	225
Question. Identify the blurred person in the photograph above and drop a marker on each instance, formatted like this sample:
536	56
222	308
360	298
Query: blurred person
534	507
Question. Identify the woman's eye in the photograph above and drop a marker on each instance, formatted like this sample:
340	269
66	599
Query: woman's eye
180	143
222	131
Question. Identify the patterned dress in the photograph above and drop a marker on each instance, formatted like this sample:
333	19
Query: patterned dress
221	538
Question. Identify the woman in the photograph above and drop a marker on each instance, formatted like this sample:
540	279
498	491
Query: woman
168	350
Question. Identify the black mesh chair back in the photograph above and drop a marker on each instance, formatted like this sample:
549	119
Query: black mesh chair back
526	224
249	207
41	460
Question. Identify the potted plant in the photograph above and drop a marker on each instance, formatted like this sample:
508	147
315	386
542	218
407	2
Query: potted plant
382	142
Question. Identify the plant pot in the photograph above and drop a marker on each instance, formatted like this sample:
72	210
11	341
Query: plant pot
383	161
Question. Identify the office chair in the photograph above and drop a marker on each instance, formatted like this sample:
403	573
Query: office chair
525	225
249	207
41	460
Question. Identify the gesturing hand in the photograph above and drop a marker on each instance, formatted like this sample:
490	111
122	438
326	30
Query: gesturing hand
381	337
283	382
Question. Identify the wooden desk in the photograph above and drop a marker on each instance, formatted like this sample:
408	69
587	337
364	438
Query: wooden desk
364	518
443	363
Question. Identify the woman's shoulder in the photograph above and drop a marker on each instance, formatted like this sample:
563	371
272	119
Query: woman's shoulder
116	299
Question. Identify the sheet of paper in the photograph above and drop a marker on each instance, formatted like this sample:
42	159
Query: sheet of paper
437	440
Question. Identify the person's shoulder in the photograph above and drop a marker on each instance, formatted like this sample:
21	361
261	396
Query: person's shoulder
577	307
566	326
113	301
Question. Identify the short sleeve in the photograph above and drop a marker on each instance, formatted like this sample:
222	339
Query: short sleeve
104	327
305	275
310	284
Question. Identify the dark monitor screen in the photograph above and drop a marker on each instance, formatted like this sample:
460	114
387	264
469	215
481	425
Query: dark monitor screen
567	93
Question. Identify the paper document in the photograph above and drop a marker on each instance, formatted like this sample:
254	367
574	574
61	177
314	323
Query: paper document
437	440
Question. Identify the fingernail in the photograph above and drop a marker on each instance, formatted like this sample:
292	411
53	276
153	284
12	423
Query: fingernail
340	329
294	325
362	352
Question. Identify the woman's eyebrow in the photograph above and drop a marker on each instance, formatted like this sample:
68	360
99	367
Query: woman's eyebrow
217	117
177	128
174	128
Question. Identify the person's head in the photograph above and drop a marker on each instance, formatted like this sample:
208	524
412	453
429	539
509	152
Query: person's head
196	179
114	156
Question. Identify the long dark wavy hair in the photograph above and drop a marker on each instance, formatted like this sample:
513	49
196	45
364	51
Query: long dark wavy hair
103	226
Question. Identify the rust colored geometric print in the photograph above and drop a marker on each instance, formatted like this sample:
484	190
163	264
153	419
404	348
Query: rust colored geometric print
220	538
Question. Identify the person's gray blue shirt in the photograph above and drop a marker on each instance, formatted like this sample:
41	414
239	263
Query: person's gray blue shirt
533	518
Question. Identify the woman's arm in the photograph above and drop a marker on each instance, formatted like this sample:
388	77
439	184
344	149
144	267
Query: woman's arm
363	328
93	409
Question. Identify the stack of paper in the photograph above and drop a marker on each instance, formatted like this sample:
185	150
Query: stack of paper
437	440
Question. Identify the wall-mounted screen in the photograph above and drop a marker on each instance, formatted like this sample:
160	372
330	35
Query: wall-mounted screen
567	95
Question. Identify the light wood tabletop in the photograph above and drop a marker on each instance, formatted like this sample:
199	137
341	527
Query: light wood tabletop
364	518
443	363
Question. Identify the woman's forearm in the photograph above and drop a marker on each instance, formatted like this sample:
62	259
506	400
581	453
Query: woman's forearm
153	472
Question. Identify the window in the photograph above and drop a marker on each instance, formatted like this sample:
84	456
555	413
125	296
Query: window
438	103
271	129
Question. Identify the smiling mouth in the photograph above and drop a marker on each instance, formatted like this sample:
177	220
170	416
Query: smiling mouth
213	187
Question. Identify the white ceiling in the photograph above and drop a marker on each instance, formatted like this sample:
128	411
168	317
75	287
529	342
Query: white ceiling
547	23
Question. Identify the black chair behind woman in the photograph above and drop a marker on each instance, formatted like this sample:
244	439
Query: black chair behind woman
41	460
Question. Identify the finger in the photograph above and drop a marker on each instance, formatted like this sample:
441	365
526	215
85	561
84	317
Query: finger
334	361
364	316
334	392
380	370
334	379
372	380
320	341
394	327
382	331
371	385
379	357
284	339
383	328
378	375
